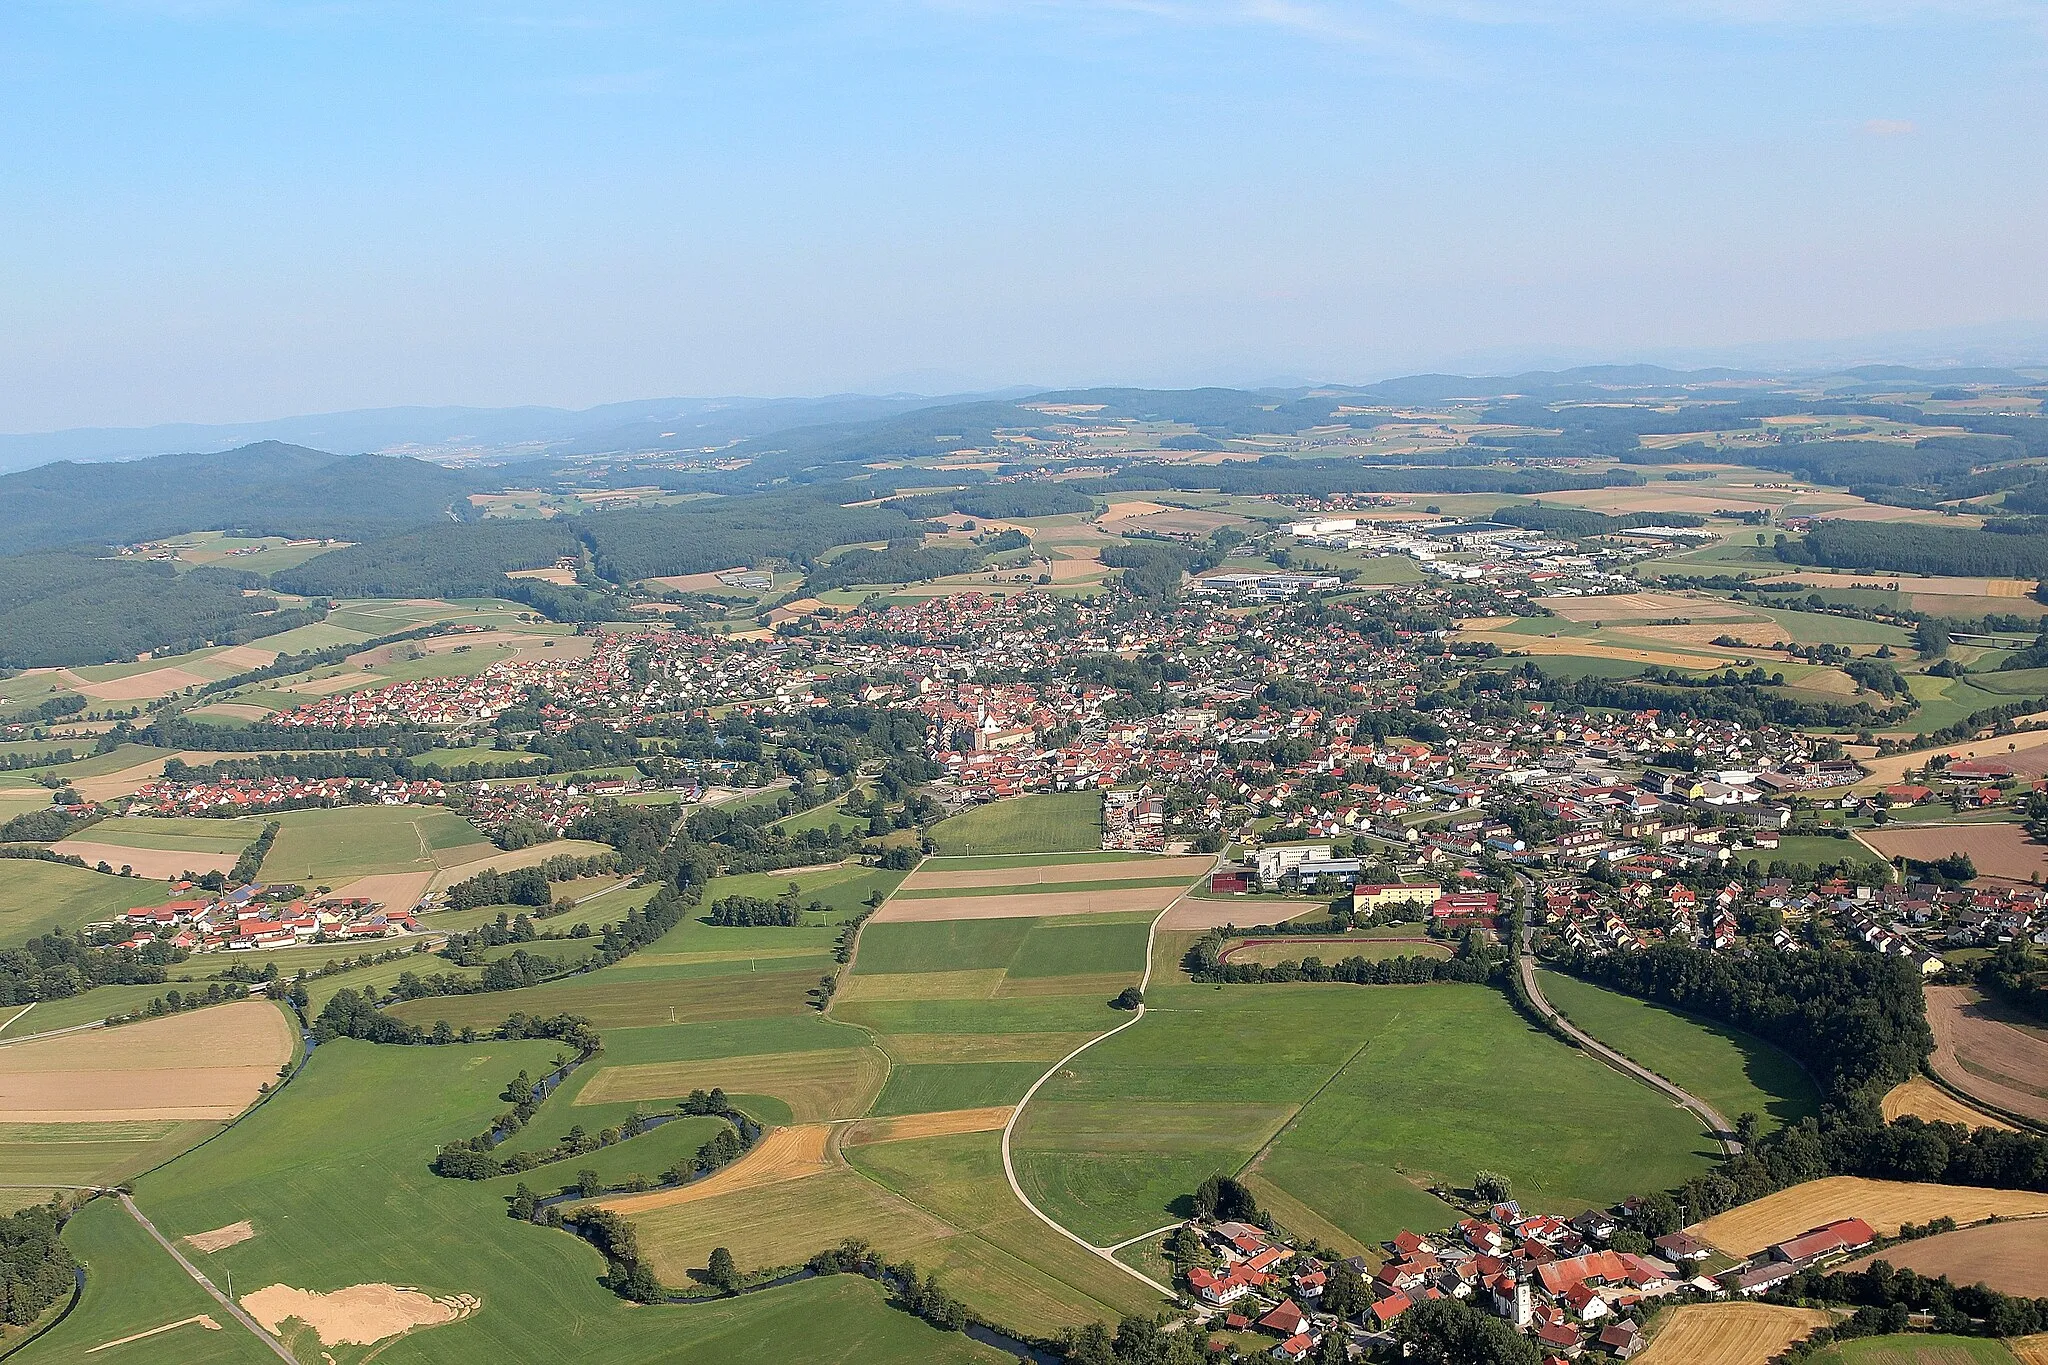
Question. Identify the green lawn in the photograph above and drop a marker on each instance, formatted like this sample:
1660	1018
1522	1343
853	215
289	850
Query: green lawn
1402	1086
1816	628
1733	1071
36	896
940	863
1049	823
1916	1349
339	1193
1813	850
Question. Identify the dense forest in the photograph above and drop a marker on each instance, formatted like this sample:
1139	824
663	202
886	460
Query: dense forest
902	562
60	608
700	537
265	489
447	560
1902	547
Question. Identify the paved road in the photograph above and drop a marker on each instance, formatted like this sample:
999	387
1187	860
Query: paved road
1723	1131
254	1326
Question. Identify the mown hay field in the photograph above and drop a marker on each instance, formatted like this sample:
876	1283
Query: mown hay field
1729	1333
1985	1052
1046	823
1998	850
36	897
942	874
1884	1204
1923	1099
205	1064
2010	1256
1919	1349
816	1085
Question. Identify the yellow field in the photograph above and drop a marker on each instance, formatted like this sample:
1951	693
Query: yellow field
1925	1100
1729	1333
782	1157
913	1126
817	1086
1884	1204
206	1064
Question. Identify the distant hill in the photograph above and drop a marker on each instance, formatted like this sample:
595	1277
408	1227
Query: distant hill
269	488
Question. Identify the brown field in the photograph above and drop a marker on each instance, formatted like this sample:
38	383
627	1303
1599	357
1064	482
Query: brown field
803	606
1645	606
232	1235
360	1315
989	1120
1923	1099
1138	869
1729	1333
1884	1204
562	577
2011	1257
235	710
1981	1054
1195	913
153	863
137	1071
695	582
1581	647
2027	752
1072	570
392	890
1998	850
1753	634
1940	587
1124	511
1100	901
157	682
818	1086
2030	1350
244	657
783	1156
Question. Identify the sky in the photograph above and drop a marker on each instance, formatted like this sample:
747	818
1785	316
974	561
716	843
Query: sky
225	210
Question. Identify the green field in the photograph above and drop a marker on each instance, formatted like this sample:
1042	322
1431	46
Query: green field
84	1008
1065	822
1733	1071
1812	850
93	1153
177	834
940	863
339	1194
1916	1349
36	897
328	845
620	997
1393	1088
1816	628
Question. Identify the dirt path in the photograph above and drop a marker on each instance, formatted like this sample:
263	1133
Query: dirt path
1009	1168
1723	1131
276	1346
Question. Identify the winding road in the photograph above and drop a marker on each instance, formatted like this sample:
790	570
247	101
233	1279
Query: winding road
1723	1131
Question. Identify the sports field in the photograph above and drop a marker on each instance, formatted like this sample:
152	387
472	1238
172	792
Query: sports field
36	897
1733	1071
1884	1204
538	1291
1394	1088
1049	823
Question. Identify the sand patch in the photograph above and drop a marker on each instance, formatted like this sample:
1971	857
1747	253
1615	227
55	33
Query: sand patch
1102	900
784	1155
1925	1100
155	864
231	1235
912	1126
360	1315
1138	869
207	1064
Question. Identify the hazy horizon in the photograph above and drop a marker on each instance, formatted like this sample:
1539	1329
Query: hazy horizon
229	211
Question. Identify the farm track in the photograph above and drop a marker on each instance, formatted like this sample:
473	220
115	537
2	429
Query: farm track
276	1346
1723	1131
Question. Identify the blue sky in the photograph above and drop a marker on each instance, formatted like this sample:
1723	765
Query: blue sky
234	209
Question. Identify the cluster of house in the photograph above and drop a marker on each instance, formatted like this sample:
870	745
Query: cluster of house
256	917
164	797
553	806
1557	1279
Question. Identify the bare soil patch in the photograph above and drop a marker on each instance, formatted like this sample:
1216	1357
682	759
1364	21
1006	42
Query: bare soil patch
1985	1057
911	1126
1729	1333
228	1236
784	1155
208	1064
155	864
2011	1257
1103	900
1884	1204
360	1315
1138	869
1925	1100
1998	850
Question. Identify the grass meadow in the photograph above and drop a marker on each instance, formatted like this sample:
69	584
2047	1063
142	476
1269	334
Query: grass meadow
1047	823
36	897
1733	1071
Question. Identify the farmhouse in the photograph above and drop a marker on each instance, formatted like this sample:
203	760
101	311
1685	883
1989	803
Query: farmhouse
1842	1235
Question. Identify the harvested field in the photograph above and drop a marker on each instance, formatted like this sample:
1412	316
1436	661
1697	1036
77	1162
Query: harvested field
1195	913
836	1083
1105	901
1983	1055
531	856
1884	1204
1998	850
154	863
1271	952
1754	634
1925	1100
231	1235
2030	1350
245	657
1729	1333
1124	511
910	1126
136	1071
560	577
1942	587
695	582
1138	869
1580	646
234	710
2026	752
158	682
2011	1257
785	1155
1645	606
1066	570
392	890
360	1315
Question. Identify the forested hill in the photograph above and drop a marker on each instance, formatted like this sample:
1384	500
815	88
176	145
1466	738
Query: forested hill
267	489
